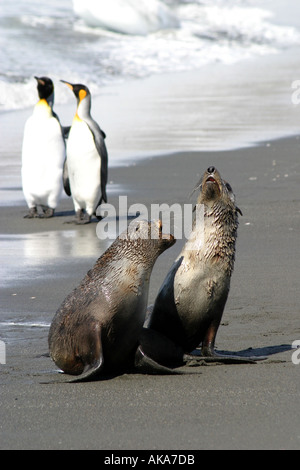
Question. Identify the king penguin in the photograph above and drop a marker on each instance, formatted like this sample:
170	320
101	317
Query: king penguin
85	172
43	154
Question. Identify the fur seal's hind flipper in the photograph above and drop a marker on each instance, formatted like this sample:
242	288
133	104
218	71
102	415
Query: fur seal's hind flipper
157	354
145	365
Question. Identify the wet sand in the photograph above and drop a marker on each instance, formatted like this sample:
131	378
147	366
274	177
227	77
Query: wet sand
215	407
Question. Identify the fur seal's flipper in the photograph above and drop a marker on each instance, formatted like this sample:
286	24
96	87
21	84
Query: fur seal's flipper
145	365
210	355
90	371
84	356
162	351
220	358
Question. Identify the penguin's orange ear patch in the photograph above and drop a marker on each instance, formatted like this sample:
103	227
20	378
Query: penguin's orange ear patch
82	94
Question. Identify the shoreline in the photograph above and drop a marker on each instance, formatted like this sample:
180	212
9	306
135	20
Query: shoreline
215	107
251	104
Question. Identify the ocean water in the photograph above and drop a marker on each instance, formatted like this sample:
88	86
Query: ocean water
163	36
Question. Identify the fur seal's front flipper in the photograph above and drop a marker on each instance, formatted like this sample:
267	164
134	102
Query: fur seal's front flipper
90	371
220	358
210	355
83	356
90	349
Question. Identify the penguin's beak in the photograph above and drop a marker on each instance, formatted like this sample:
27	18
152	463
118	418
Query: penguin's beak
40	81
68	84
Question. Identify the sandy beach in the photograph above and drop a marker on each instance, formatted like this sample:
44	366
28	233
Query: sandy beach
215	407
222	89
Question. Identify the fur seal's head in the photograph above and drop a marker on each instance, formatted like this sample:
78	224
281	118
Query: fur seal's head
147	237
213	189
149	231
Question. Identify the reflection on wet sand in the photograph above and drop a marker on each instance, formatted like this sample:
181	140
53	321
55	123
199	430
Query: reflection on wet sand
24	255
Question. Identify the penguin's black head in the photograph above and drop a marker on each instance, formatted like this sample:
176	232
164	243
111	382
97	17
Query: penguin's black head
45	87
79	90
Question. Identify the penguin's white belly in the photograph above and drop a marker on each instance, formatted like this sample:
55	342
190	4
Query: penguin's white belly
84	166
43	156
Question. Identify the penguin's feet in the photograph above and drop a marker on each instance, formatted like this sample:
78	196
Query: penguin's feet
47	212
32	214
82	217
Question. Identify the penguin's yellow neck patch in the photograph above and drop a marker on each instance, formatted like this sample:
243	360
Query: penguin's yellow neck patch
76	118
82	95
42	108
43	102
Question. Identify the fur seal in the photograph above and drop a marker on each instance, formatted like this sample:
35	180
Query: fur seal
190	303
97	327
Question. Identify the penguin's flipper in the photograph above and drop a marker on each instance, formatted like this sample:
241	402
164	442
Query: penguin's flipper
103	175
66	131
99	137
66	180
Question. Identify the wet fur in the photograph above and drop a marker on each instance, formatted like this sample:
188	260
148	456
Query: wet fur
191	300
98	324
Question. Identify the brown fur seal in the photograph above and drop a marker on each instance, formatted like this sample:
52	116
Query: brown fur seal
191	300
96	329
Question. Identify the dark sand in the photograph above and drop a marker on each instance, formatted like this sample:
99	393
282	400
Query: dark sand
215	407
